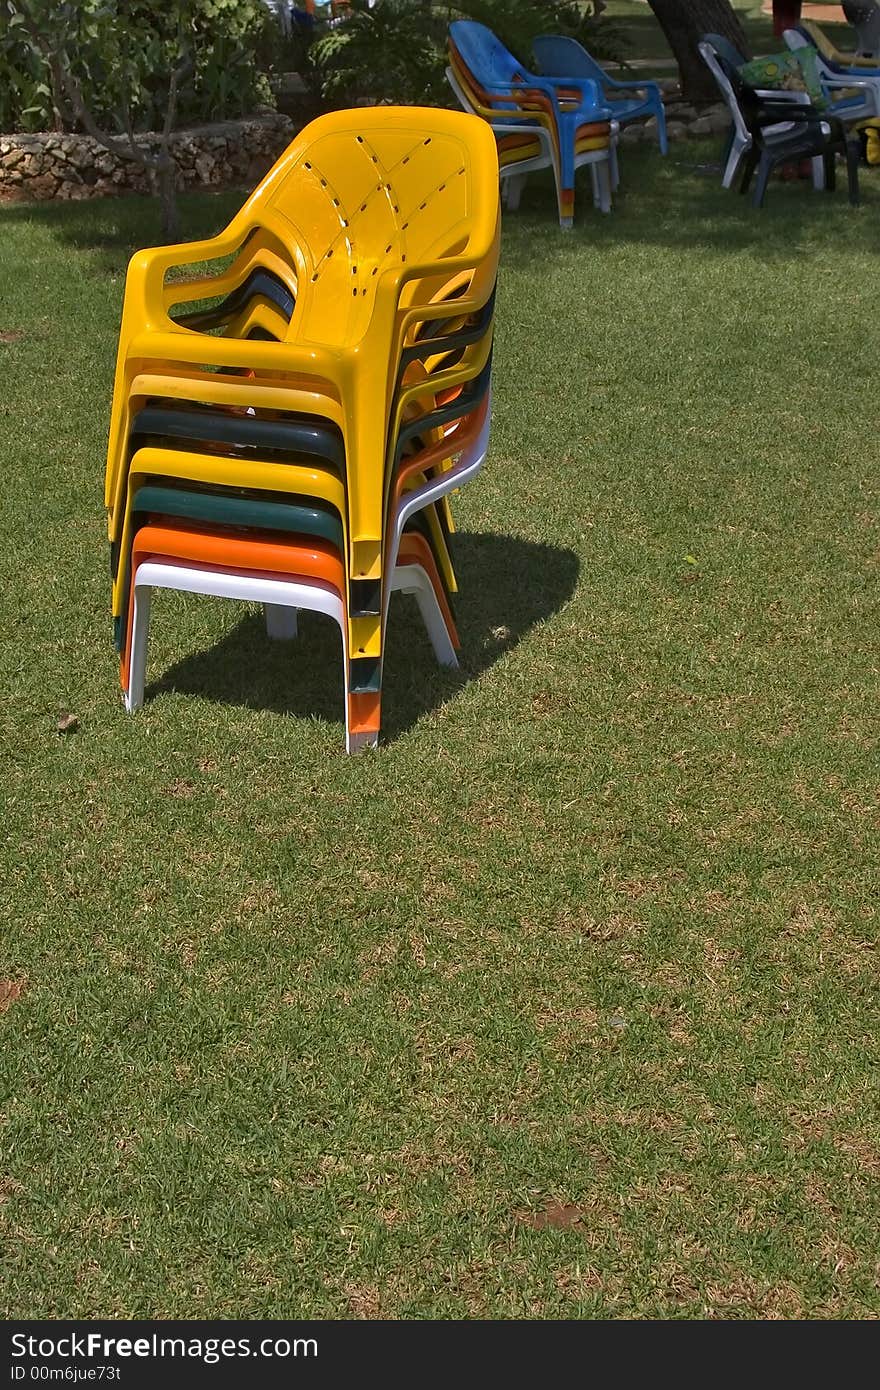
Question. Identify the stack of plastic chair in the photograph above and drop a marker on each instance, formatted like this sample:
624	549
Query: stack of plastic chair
539	122
561	57
769	130
288	428
724	61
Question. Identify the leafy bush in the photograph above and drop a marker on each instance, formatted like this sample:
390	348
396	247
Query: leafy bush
396	51
518	22
25	94
122	53
393	52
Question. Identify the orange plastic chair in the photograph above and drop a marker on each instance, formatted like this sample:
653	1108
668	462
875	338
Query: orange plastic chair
265	554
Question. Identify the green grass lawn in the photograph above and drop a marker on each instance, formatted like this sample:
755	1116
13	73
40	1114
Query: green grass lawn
643	37
564	1003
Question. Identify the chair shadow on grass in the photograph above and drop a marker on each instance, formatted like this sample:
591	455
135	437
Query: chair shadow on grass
507	586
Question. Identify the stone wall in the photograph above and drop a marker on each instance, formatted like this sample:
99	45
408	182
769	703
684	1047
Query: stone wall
76	166
231	152
683	121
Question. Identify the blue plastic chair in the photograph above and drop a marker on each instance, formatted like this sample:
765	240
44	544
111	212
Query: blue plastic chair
565	58
503	79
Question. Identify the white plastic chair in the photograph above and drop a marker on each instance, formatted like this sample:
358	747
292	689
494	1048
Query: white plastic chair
846	111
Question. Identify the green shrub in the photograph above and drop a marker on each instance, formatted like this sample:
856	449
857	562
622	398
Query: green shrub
122	53
397	50
393	52
25	94
518	22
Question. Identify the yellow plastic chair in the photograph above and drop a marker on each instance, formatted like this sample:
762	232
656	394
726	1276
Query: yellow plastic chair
417	398
308	395
369	203
831	52
311	480
303	480
371	219
262	390
365	635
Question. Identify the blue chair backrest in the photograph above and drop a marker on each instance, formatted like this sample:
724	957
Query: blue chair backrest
485	55
557	56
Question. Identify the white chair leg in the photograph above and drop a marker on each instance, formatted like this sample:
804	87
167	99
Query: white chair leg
411	579
818	173
281	624
594	180
615	167
731	168
514	186
140	637
604	176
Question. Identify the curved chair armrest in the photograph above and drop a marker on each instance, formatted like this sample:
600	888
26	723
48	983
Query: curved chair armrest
869	88
649	84
589	89
872	74
771	113
850	82
145	278
776	94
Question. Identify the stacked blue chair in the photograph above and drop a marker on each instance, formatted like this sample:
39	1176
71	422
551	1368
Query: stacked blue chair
558	123
561	58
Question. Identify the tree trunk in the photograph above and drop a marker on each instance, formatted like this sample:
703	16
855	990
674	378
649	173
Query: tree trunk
786	14
164	177
684	22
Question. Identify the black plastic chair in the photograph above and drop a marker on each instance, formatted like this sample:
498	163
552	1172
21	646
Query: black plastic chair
783	131
813	134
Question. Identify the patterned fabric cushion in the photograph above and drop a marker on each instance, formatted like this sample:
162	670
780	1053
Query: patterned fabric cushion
787	72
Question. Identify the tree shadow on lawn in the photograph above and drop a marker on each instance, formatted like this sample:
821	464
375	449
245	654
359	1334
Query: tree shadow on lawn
114	228
674	202
507	586
677	202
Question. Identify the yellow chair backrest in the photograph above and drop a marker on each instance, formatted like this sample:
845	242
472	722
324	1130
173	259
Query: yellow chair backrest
830	51
363	199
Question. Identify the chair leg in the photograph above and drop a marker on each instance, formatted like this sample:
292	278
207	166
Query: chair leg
830	171
732	157
364	720
419	585
765	166
603	176
818	173
661	129
749	165
514	186
852	172
281	623
139	638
